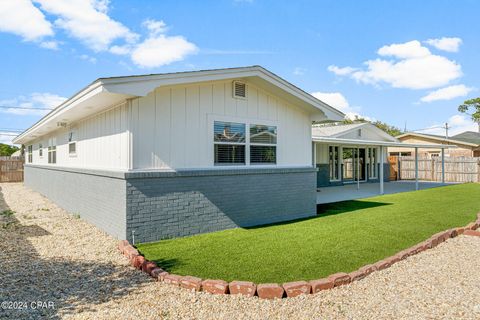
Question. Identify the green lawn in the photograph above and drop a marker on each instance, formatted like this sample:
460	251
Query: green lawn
344	237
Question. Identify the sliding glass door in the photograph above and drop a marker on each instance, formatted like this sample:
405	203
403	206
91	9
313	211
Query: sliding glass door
354	164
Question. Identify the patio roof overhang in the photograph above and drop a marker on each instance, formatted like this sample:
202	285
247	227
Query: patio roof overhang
357	142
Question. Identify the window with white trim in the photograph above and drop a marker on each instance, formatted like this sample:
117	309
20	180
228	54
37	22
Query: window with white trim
52	150
263	144
30	153
234	145
334	162
229	143
72	144
372	162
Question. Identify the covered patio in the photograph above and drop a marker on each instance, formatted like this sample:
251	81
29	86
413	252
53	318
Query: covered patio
351	191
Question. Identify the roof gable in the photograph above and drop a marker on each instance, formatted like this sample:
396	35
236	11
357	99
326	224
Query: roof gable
367	131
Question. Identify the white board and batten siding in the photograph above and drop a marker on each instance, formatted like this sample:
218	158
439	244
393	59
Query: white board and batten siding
172	127
101	142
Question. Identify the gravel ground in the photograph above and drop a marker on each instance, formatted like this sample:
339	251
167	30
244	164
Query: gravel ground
51	256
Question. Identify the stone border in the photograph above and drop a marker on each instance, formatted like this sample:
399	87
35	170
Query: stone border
289	289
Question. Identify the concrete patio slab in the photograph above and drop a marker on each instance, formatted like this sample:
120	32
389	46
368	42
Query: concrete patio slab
350	191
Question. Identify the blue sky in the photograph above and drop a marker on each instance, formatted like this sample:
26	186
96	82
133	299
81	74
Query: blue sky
400	62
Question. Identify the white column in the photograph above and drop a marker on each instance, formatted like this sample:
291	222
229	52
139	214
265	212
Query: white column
358	168
416	168
314	156
382	160
443	165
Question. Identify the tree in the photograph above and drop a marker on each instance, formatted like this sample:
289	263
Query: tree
7	150
391	130
473	104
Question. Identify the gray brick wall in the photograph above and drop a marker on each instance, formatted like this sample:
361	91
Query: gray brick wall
99	199
189	203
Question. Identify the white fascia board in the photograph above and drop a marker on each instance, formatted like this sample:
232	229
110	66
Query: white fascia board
355	142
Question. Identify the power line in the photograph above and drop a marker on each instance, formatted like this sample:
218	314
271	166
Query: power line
8	134
24	108
12	129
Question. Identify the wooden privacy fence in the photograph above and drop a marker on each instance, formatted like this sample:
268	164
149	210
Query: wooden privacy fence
457	169
11	170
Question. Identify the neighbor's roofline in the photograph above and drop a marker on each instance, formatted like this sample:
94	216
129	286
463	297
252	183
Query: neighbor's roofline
356	142
98	83
434	138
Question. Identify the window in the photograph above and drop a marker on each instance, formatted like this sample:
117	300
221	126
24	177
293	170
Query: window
229	140
334	163
372	162
231	146
30	153
40	150
72	144
263	144
52	151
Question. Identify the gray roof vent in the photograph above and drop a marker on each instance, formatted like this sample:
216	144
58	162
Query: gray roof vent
239	90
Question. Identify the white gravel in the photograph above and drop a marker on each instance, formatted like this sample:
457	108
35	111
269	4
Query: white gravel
48	255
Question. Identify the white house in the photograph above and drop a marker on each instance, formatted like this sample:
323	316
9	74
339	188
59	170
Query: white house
166	155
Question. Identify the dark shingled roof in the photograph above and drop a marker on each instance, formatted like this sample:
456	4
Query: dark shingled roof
468	136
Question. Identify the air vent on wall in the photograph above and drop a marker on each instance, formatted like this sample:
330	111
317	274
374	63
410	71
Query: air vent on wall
239	90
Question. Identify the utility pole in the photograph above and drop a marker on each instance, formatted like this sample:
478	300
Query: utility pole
446	130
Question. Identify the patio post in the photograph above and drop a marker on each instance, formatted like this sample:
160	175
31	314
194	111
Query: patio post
416	168
443	165
358	168
382	160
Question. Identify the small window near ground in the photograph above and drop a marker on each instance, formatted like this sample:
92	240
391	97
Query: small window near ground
263	144
230	143
30	153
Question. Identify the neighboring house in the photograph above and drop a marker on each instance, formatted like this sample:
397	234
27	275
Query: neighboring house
168	155
467	145
350	153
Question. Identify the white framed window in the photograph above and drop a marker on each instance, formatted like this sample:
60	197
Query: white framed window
40	150
72	144
263	144
334	162
52	150
372	162
229	143
30	154
241	143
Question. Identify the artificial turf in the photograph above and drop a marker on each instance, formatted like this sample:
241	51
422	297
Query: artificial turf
342	237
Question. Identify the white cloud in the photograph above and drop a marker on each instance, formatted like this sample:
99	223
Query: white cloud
447	93
338	101
22	18
7	136
86	57
413	67
157	49
445	44
411	49
88	21
299	71
36	101
155	27
341	71
162	50
457	124
53	45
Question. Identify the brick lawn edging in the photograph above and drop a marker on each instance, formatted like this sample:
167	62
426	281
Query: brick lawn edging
289	289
